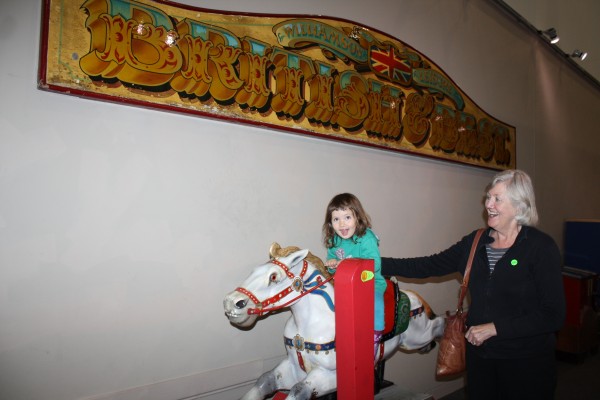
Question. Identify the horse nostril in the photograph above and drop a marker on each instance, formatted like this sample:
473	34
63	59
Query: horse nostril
241	304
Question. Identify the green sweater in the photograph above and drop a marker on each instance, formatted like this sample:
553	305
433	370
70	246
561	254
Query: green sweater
365	247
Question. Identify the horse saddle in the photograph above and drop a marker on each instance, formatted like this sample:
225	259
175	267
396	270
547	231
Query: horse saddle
397	311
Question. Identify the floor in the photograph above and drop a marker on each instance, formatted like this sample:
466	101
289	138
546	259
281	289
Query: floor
578	379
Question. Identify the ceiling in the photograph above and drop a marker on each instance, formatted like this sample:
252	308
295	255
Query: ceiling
577	24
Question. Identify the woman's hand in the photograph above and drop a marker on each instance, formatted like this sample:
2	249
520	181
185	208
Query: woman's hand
476	335
332	263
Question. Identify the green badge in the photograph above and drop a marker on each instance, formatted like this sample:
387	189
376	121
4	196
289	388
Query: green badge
513	262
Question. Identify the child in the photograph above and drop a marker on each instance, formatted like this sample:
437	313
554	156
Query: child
347	233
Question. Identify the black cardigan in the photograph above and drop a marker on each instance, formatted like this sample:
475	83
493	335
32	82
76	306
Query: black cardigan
523	297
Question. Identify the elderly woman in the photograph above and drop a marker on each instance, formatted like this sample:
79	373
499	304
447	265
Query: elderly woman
517	298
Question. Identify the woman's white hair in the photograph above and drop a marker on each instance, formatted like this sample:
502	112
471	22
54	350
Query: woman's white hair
520	191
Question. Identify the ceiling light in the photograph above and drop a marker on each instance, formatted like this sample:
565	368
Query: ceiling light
579	54
551	35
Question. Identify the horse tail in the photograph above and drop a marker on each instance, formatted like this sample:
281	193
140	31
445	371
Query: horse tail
428	311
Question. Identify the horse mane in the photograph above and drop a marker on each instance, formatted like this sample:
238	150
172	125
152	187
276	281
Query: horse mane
277	251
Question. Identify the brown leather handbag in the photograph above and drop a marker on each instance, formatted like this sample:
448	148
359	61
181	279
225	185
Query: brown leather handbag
451	356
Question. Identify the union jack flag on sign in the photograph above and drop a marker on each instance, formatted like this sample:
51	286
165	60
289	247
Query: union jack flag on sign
388	64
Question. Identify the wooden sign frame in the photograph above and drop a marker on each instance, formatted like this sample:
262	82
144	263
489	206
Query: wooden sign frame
310	75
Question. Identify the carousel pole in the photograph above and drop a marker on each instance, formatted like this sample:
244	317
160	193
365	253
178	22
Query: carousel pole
354	315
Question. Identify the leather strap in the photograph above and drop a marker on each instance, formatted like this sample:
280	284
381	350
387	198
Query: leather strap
465	282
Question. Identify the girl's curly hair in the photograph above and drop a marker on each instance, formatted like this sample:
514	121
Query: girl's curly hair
345	201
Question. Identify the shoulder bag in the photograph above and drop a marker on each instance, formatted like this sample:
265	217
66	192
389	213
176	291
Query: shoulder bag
451	356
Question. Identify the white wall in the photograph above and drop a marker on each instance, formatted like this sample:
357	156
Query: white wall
121	229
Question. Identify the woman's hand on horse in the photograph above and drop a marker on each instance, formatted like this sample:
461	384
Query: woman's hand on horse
332	263
478	334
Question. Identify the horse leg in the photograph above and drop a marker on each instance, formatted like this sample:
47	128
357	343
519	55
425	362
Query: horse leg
421	332
423	329
437	331
300	391
438	325
278	378
319	382
264	386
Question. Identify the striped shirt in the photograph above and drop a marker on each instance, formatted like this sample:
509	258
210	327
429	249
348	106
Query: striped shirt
493	256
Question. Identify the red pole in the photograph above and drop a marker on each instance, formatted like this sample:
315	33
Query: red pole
354	297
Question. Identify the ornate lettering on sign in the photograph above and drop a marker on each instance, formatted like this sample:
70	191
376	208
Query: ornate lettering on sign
321	76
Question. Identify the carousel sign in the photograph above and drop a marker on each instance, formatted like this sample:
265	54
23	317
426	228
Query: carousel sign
317	76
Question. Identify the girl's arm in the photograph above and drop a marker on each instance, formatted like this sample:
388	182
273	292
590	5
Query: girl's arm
332	261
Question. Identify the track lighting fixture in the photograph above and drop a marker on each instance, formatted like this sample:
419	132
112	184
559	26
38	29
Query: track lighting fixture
579	54
551	35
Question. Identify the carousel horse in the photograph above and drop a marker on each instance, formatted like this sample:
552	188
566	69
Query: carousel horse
298	280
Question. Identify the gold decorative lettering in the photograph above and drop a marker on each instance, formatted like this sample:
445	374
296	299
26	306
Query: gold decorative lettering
193	78
290	72
485	142
374	121
443	126
391	112
415	124
254	66
445	131
351	105
386	106
501	155
320	105
135	50
221	60
467	142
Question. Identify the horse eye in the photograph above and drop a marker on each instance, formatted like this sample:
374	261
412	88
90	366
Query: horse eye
273	277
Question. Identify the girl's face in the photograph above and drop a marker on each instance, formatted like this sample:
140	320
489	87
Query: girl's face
344	223
500	210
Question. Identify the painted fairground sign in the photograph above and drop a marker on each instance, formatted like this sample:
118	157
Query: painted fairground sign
316	76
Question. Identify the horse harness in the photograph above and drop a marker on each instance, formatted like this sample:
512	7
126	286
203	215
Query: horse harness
298	285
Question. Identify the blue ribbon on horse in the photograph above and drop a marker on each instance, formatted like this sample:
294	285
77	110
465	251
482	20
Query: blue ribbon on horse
312	282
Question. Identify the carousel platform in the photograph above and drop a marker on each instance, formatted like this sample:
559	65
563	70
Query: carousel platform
392	392
397	393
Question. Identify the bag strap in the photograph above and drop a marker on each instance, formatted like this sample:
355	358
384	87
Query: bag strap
465	282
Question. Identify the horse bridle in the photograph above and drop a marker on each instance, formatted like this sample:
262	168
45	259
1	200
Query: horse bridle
297	285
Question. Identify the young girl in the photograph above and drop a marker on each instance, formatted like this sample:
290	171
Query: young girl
347	234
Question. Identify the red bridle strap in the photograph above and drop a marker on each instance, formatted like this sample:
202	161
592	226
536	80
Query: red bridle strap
297	285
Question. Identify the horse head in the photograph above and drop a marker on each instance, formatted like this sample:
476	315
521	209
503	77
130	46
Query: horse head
270	286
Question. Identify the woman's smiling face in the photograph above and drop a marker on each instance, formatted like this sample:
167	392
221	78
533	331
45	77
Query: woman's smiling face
344	223
499	207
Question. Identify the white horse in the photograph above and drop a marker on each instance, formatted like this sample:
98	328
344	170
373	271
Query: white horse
297	279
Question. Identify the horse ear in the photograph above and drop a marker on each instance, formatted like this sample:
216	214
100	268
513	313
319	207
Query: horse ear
298	256
274	249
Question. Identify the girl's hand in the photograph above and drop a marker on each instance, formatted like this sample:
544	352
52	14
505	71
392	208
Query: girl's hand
332	264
